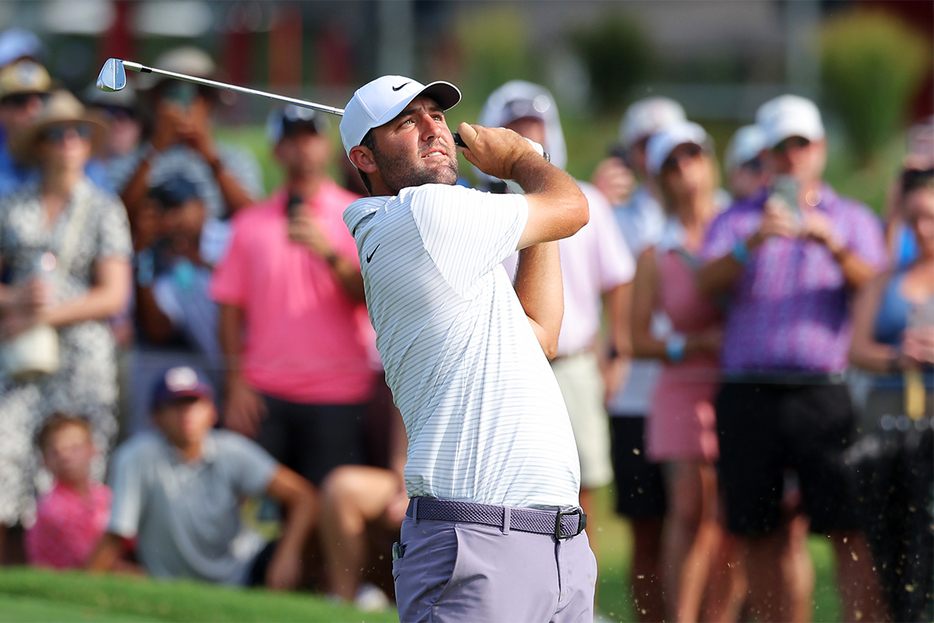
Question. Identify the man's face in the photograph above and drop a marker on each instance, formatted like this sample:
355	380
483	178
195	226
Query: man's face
415	148
184	222
186	421
19	109
304	151
531	128
800	158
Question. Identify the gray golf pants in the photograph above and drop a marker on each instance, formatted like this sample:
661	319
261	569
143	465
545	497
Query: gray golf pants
453	572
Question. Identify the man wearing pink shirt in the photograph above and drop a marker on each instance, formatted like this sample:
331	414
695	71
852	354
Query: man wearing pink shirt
293	325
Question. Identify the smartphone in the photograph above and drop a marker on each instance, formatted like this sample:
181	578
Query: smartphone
294	205
785	192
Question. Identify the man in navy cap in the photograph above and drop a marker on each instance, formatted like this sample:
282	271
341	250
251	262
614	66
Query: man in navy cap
177	491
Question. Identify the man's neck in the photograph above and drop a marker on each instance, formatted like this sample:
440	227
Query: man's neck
306	186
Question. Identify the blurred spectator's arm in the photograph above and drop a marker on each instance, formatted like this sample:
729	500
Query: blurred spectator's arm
107	297
304	230
617	304
300	504
538	285
194	129
644	301
817	227
721	274
614	179
108	552
865	351
243	408
156	326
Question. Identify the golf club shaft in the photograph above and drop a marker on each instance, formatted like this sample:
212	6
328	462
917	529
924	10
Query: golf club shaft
231	87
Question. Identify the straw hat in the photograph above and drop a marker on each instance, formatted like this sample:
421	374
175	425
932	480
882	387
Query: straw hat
61	107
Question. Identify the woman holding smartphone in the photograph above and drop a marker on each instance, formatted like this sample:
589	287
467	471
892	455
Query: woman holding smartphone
893	336
681	426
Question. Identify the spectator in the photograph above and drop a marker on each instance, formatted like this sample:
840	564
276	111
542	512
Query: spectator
893	337
596	273
66	246
119	110
903	247
70	518
181	141
640	488
176	300
292	321
790	267
24	88
177	491
742	162
363	505
681	428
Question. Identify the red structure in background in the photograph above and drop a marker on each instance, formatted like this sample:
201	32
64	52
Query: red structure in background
118	41
919	15
334	58
286	50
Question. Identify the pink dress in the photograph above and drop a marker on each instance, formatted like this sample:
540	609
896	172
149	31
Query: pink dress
68	526
681	424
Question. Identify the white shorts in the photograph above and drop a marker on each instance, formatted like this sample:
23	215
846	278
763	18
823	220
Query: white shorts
582	387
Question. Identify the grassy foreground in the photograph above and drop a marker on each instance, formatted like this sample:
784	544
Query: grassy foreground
34	595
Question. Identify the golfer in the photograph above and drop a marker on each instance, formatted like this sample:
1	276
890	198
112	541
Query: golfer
493	531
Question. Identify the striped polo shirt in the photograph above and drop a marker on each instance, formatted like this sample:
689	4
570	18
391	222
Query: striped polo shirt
484	416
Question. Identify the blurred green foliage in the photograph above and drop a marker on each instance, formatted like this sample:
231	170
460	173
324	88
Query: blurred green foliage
872	66
617	56
496	46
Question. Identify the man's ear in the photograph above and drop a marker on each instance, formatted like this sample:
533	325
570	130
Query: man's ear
362	158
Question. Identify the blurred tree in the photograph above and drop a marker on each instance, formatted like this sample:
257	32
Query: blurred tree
495	43
617	56
872	64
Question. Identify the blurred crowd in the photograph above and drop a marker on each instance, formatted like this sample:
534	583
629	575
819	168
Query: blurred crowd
745	353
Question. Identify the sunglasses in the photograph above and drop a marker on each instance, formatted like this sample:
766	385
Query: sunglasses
57	133
690	151
19	100
796	142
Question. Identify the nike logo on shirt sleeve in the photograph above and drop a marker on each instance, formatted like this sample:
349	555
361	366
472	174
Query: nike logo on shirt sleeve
370	256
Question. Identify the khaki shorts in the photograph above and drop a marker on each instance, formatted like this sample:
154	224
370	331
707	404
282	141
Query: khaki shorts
582	387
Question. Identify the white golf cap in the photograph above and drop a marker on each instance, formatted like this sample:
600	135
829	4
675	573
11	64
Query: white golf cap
379	101
745	145
789	115
664	142
646	117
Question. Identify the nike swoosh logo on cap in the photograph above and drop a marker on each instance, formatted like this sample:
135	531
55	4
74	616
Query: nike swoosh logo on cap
400	86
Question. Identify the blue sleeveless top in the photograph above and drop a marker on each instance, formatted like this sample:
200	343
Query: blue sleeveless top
891	321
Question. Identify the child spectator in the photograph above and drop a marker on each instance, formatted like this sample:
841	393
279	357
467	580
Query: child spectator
73	515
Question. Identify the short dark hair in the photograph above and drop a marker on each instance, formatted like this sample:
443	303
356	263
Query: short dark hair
368	141
58	421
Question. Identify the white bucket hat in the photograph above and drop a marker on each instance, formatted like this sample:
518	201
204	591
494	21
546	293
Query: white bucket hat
379	101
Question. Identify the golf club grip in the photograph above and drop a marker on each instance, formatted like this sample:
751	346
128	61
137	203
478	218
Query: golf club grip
460	143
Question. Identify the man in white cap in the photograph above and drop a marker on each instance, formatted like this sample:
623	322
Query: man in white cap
596	272
494	530
790	258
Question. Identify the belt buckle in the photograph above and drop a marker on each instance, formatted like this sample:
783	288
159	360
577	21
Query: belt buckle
581	522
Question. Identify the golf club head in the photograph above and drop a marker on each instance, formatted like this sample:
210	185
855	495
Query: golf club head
112	77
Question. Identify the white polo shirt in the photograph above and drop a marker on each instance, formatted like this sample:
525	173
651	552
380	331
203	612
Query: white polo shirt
484	416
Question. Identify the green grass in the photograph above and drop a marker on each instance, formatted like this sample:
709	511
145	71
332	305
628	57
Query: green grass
34	595
38	595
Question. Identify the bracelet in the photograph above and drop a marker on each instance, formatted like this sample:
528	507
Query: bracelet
740	252
674	347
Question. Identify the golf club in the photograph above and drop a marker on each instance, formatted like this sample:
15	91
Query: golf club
113	78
